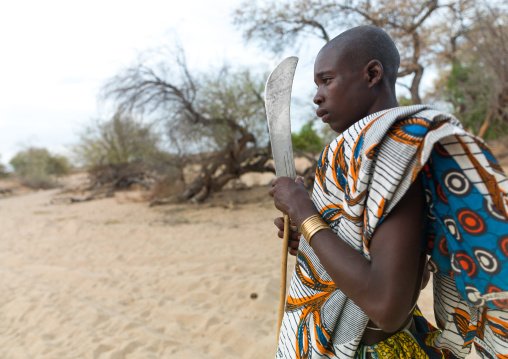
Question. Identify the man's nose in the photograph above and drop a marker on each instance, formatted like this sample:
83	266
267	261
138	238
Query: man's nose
318	98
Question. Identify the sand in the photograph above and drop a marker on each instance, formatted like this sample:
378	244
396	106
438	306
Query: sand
112	278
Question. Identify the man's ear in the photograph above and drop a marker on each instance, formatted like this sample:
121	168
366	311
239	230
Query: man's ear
375	72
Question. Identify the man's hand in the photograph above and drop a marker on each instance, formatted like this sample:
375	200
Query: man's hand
291	197
294	236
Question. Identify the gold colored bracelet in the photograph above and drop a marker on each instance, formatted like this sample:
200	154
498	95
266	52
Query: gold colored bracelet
311	226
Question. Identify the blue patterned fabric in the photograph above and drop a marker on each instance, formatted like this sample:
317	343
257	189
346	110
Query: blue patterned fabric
468	234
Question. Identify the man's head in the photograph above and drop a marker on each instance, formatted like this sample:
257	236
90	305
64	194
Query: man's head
355	74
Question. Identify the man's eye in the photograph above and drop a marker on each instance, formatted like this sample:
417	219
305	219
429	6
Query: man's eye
326	80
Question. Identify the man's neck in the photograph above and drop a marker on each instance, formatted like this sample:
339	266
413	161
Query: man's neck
384	102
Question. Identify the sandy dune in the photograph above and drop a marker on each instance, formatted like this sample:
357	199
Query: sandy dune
115	279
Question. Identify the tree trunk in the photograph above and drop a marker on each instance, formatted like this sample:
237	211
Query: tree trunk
224	166
486	124
415	85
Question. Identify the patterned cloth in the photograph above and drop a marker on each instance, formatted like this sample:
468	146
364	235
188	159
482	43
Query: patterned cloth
360	178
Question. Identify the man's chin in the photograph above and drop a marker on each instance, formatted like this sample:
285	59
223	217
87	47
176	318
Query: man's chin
336	128
330	122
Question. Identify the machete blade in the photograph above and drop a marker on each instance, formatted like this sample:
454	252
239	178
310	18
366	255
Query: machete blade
277	103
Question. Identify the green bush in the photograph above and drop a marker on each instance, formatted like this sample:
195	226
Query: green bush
404	101
472	89
119	141
3	171
37	167
307	140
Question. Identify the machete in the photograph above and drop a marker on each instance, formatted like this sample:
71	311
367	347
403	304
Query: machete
277	103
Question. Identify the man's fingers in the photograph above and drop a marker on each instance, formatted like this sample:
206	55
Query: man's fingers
294	236
293	251
279	222
293	247
293	244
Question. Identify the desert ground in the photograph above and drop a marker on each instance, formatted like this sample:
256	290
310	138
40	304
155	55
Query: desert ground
113	278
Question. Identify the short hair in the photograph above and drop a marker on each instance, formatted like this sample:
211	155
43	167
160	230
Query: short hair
361	44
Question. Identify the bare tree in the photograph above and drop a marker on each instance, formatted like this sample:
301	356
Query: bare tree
476	83
219	115
489	41
411	23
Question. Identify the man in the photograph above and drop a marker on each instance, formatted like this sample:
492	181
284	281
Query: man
372	217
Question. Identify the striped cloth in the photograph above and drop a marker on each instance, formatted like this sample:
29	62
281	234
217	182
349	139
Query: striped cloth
360	177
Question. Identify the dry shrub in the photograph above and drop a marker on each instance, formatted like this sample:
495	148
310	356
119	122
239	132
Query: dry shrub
166	188
35	182
121	176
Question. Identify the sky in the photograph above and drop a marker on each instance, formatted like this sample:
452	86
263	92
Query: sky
56	55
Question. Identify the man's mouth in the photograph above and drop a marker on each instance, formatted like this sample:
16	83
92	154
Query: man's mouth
321	112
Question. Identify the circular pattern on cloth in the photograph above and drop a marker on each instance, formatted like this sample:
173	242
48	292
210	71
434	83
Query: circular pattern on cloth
452	227
502	244
409	131
440	150
457	183
455	265
463	261
471	222
429	242
492	211
474	296
499	303
441	194
426	170
429	198
487	260
442	246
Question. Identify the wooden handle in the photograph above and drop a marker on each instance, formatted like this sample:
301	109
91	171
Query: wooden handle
283	273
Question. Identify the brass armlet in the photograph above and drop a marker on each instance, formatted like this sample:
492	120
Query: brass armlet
311	226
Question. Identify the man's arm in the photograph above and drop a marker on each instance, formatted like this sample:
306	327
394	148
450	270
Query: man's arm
384	287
